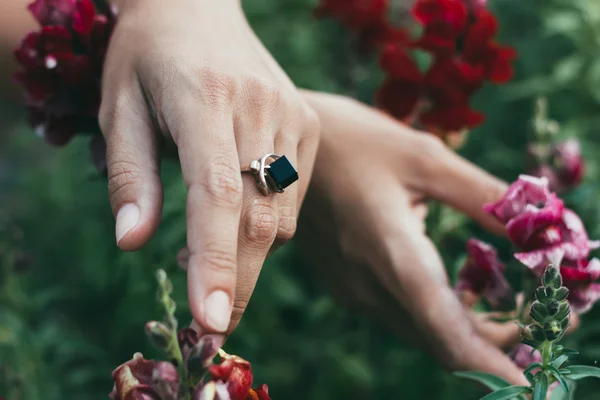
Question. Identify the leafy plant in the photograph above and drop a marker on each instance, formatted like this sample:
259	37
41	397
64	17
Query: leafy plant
550	313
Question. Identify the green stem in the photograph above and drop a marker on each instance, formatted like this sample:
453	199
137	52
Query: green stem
546	350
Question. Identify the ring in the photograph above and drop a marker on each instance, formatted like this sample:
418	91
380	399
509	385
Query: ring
272	177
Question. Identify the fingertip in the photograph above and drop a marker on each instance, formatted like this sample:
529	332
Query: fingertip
135	225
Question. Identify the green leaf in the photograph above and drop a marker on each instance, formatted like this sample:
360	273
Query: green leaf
506	393
559	378
490	381
566	351
583	371
532	366
568	69
541	387
559	361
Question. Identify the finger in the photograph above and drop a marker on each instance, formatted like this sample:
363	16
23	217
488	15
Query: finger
211	171
459	183
502	335
422	289
132	157
260	217
287	202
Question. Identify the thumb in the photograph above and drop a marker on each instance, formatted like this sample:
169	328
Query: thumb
134	185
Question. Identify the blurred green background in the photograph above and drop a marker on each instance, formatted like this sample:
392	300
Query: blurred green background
77	310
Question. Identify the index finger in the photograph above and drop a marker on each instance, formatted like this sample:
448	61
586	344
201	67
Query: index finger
211	171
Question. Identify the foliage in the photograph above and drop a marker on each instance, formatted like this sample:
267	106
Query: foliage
82	304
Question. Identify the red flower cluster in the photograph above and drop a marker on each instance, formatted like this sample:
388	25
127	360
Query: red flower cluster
483	275
560	162
464	56
61	66
141	379
546	232
367	18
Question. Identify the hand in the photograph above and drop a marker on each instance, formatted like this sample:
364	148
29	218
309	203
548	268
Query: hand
362	227
194	74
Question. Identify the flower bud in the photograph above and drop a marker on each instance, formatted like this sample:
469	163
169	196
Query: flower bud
564	324
538	312
552	277
165	381
552	330
552	307
159	334
200	356
549	291
540	294
538	333
526	333
561	293
563	311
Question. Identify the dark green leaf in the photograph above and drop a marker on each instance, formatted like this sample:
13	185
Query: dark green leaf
491	381
583	371
541	387
506	393
559	378
559	361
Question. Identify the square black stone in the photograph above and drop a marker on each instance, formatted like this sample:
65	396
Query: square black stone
281	173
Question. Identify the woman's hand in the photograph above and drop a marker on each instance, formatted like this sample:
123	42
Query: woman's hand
193	72
362	228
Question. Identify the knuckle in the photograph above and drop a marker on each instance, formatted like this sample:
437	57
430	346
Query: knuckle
223	183
239	307
431	151
287	227
218	260
312	124
216	89
260	223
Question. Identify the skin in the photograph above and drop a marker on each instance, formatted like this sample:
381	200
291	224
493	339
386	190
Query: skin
221	109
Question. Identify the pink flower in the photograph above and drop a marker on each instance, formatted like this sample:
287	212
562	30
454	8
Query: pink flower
522	356
565	240
579	278
482	274
133	380
528	196
561	163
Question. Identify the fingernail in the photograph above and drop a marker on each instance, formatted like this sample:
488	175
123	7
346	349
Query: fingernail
127	217
218	310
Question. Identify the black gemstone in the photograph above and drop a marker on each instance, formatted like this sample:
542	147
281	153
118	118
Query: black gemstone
281	173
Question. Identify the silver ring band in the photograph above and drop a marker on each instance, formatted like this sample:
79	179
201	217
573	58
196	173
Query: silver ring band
272	177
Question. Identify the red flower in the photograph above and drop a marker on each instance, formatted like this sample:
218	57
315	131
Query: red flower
260	393
482	274
443	22
367	18
481	49
560	162
61	67
400	93
237	374
579	278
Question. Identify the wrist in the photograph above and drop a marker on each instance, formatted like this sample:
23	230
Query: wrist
125	6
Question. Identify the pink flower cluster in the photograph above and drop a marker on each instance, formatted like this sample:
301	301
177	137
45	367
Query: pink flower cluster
544	232
61	67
